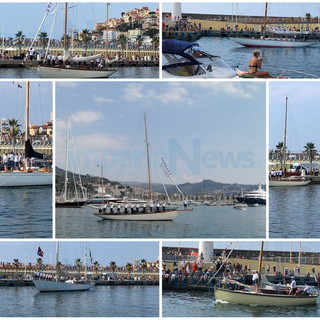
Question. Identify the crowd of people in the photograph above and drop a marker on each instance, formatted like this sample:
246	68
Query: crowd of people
13	161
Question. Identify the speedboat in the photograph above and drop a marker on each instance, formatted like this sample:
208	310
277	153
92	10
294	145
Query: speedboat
180	61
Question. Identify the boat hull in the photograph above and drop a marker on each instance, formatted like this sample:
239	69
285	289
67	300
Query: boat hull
260	299
25	179
154	216
248	42
71	204
288	183
251	201
58	72
52	286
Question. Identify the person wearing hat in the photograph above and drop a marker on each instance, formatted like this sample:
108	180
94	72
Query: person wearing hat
255	64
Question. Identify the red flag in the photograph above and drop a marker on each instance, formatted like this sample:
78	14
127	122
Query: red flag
40	252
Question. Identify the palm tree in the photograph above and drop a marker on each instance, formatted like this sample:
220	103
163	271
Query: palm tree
96	266
86	37
68	39
43	37
129	268
113	266
78	264
139	42
311	152
16	264
155	42
14	131
123	41
39	264
144	265
308	18
19	40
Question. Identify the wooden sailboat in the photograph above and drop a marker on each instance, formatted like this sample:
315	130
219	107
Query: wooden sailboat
64	200
142	214
271	43
287	180
59	285
73	71
263	297
27	177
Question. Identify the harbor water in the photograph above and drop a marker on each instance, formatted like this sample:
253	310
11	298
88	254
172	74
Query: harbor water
26	212
106	301
123	72
203	304
275	59
293	212
202	222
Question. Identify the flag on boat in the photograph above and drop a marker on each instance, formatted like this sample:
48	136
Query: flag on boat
51	7
40	252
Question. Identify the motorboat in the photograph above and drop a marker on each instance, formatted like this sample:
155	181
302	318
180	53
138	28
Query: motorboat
240	206
181	61
253	197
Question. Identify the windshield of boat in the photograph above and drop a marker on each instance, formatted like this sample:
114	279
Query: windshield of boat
211	66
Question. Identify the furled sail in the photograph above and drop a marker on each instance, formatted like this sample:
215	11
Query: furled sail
29	151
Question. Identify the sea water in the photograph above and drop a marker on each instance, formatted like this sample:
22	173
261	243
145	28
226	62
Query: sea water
123	72
26	212
203	304
299	59
201	222
101	301
294	212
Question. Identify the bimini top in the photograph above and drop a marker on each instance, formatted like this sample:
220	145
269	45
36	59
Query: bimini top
174	46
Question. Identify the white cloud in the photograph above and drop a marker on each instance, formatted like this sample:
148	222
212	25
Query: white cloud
85	117
103	100
169	94
98	141
241	90
133	92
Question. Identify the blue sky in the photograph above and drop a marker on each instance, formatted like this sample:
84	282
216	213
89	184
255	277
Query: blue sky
13	101
303	113
211	130
306	246
27	16
253	8
121	252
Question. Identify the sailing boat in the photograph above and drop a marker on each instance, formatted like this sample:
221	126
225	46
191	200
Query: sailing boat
64	201
74	71
292	180
261	296
268	42
147	214
27	177
58	284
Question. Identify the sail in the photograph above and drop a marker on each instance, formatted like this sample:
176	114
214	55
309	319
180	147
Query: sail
29	151
68	57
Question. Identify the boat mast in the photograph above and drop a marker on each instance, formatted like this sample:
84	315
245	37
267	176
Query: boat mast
27	110
57	262
285	136
65	26
148	157
66	163
260	260
265	21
